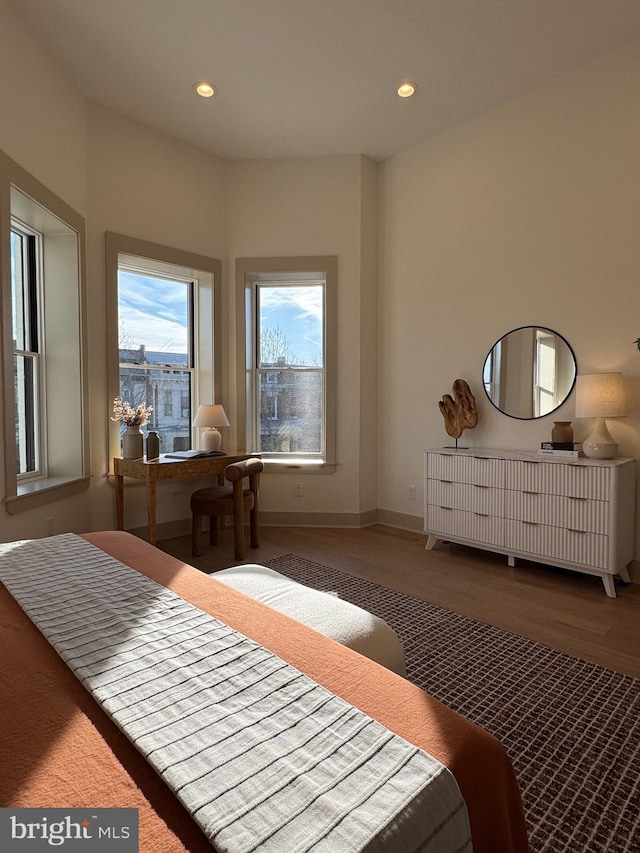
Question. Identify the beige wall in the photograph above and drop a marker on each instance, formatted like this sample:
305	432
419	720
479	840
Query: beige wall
528	214
150	186
315	207
42	121
42	127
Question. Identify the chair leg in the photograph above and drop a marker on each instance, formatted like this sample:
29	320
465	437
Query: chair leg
238	520
254	528
196	527
213	530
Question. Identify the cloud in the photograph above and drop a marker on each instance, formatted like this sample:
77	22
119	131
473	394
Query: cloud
304	301
152	311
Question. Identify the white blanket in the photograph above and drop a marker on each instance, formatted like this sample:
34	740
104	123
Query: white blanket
261	756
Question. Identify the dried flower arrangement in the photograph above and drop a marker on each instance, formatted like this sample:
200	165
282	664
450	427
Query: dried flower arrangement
125	414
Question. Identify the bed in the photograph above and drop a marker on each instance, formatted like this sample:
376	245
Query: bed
60	749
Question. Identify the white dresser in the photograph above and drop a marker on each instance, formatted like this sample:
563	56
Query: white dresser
575	513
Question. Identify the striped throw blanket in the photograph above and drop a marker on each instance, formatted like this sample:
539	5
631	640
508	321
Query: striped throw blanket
260	755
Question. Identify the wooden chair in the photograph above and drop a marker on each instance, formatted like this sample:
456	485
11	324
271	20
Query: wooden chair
217	502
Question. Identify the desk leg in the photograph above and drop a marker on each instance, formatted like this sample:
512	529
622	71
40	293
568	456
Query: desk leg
119	502
151	510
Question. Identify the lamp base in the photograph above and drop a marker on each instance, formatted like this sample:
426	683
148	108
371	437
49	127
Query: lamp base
211	439
600	443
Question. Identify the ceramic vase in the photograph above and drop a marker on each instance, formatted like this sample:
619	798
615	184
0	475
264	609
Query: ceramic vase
562	432
132	443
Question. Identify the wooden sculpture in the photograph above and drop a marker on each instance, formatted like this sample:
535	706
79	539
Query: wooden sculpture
459	412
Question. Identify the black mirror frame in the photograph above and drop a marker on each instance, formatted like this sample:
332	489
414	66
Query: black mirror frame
568	394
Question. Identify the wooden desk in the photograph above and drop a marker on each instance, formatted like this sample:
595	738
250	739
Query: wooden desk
164	469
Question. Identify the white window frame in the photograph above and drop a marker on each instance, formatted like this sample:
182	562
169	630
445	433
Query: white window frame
208	346
250	272
63	468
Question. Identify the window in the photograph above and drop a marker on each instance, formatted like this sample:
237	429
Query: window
287	317
164	328
156	352
44	396
25	309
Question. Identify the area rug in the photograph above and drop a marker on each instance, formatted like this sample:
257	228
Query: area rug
570	727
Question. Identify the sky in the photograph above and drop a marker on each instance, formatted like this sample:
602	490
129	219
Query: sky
153	311
297	312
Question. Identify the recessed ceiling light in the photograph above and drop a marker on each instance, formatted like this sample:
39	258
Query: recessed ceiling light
204	89
407	88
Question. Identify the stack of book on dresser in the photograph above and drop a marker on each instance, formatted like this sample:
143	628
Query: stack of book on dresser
561	448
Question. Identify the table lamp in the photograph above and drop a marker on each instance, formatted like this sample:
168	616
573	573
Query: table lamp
211	416
600	396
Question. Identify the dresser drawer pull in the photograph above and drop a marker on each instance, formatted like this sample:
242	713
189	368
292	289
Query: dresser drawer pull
531	523
480	486
449	482
527	492
482	514
576	498
450	508
575	530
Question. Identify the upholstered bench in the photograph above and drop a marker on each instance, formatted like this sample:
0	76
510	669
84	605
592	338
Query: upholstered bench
342	621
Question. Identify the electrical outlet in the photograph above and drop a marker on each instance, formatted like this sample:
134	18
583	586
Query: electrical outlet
298	490
411	493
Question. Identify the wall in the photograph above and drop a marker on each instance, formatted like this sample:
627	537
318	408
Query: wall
43	129
319	206
42	125
147	185
526	215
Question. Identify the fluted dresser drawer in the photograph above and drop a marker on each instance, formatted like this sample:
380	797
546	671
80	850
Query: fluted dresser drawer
473	526
554	543
482	499
558	511
550	478
474	470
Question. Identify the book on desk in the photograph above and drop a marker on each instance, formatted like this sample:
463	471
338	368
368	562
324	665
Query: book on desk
194	454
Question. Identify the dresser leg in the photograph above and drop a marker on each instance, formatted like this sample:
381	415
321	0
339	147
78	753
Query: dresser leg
431	541
624	574
511	561
609	585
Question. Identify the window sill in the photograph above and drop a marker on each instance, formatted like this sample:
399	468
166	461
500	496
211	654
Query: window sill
41	492
286	466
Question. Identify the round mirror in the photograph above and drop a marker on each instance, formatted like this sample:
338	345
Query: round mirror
529	372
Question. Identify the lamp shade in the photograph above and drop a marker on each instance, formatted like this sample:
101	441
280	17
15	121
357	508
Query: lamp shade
211	416
600	395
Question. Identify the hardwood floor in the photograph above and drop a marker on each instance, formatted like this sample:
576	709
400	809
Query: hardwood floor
565	610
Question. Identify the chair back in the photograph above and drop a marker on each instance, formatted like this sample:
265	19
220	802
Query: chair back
251	468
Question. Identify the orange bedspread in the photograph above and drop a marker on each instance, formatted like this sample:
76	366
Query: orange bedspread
58	748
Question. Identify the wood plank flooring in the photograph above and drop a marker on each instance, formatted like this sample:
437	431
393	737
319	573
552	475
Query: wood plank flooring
565	610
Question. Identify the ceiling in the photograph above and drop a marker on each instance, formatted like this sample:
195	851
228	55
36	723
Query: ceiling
298	78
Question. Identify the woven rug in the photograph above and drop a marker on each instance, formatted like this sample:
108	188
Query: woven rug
571	728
